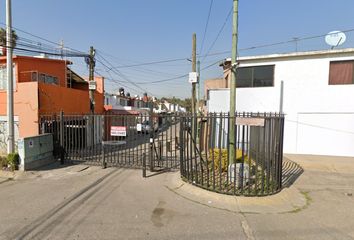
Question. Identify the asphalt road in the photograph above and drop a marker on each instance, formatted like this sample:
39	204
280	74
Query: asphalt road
78	202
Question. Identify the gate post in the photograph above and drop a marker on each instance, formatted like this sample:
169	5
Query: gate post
61	129
144	165
151	155
104	165
181	145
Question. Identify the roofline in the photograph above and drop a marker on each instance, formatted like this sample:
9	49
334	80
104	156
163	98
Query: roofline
307	54
39	58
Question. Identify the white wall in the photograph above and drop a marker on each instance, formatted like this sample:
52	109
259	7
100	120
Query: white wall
319	117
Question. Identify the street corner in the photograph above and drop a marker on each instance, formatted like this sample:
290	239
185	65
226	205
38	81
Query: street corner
289	200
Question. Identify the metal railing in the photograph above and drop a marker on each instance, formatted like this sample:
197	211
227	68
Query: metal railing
196	145
257	168
115	140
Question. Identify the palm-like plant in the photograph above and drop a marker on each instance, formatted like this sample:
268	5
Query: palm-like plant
3	39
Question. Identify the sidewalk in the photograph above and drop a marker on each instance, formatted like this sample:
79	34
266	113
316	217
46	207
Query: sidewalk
288	200
55	170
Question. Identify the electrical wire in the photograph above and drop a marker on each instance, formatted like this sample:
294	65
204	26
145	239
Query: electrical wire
218	35
179	77
120	73
41	38
44	52
206	26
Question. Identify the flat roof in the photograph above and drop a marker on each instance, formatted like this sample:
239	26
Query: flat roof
3	58
306	54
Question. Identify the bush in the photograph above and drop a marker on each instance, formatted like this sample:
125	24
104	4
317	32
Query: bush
13	160
224	160
3	162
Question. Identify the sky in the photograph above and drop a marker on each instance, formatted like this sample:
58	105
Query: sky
126	33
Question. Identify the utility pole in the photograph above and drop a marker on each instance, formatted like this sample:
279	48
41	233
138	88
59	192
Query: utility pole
10	91
92	87
232	121
194	69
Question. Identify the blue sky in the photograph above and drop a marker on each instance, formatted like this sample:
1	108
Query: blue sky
127	32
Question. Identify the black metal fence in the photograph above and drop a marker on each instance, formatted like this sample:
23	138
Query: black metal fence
257	169
115	140
197	145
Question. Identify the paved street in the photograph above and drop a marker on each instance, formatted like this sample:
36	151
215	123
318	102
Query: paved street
81	202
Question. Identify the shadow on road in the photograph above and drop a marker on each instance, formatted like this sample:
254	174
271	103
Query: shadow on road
291	172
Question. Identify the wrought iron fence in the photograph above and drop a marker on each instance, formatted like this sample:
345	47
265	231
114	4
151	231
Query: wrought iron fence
115	140
257	169
197	145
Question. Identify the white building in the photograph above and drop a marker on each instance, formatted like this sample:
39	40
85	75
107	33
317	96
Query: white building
124	103
318	97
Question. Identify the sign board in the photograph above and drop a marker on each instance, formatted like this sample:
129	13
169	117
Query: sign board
193	77
92	85
119	131
250	121
139	127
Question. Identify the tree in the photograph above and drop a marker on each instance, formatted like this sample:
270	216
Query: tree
188	104
3	39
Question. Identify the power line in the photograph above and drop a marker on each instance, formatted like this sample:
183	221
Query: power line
44	52
206	26
116	81
151	63
218	35
140	69
41	38
179	77
120	73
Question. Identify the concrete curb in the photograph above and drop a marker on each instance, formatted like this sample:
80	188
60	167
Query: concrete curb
287	201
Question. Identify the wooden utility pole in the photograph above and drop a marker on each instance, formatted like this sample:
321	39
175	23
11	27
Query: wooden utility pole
194	101
194	69
232	121
92	79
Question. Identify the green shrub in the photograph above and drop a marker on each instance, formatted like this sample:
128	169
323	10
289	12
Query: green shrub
214	155
13	160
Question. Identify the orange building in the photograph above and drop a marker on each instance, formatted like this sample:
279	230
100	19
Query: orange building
45	86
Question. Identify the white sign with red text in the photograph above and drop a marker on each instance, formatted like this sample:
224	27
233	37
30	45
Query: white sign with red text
119	131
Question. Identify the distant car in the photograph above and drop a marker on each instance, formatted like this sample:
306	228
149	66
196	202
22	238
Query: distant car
144	127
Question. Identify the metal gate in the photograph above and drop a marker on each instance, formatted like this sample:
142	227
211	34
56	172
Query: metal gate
147	141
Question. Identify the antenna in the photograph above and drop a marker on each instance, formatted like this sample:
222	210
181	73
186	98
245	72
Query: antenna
335	38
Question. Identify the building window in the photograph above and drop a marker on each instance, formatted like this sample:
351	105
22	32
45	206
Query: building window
257	76
341	72
42	77
34	76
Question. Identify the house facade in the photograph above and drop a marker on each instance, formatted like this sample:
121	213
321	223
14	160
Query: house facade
43	86
317	97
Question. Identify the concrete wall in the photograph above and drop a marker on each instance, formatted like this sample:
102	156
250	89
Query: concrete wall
319	117
36	151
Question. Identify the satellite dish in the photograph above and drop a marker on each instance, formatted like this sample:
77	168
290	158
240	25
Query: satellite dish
335	38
